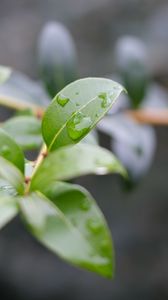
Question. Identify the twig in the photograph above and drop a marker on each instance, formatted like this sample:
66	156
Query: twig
42	154
149	116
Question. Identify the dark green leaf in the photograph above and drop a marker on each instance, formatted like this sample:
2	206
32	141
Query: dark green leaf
132	64
71	225
12	175
72	161
10	150
77	109
57	57
8	209
26	130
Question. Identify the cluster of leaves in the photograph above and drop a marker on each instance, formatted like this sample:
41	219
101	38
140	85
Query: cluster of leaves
63	216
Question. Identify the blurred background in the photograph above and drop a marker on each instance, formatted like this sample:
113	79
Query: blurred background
137	218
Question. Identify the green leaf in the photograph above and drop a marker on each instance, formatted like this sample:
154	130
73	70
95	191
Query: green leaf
5	73
77	109
73	161
131	58
10	150
12	175
8	209
71	225
57	57
26	130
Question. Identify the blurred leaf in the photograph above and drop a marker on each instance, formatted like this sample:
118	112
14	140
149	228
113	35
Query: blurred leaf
8	209
130	55
26	130
21	90
10	150
5	73
57	57
12	175
132	143
69	162
77	109
72	226
135	81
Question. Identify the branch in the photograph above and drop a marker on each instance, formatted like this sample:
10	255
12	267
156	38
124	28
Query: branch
19	105
149	116
42	154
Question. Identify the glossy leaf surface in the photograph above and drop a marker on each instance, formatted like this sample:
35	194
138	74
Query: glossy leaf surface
73	161
71	225
10	150
77	109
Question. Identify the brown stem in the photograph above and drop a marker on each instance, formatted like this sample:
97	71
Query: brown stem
42	154
20	105
149	116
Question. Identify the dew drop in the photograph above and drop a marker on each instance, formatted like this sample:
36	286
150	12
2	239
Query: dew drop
62	100
101	167
78	126
85	205
77	104
77	93
94	225
5	150
106	99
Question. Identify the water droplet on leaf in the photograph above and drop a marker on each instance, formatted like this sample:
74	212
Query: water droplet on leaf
85	205
94	225
106	99
62	100
78	126
5	150
101	167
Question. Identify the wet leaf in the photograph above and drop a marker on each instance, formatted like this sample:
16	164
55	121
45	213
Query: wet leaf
89	100
73	161
68	222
